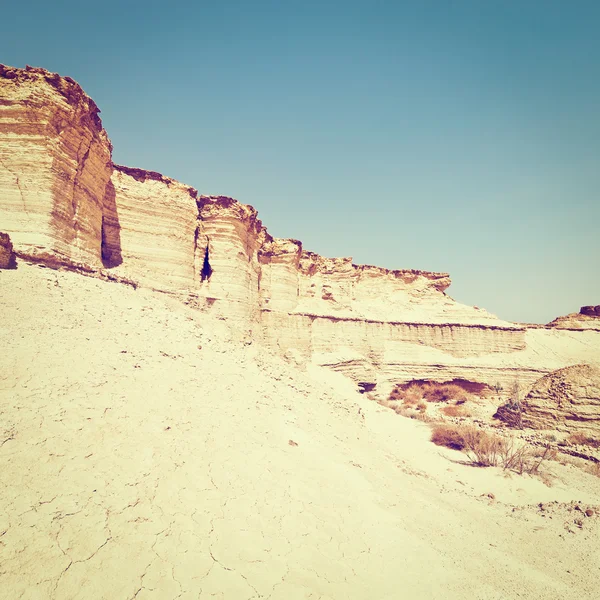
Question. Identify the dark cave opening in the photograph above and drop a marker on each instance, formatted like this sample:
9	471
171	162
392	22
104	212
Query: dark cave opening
206	268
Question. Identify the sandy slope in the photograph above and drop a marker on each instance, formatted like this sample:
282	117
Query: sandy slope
135	464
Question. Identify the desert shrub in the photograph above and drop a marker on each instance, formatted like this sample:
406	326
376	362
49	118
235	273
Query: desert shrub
414	391
456	410
413	394
473	388
486	449
515	393
511	412
395	395
580	439
412	412
447	436
482	448
411	397
444	392
523	458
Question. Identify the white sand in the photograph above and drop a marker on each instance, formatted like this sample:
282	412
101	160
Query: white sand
135	465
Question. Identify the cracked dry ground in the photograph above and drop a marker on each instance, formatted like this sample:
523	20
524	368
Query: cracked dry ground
146	454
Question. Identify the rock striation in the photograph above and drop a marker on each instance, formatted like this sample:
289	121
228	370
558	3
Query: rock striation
588	317
55	163
590	311
566	400
65	203
151	237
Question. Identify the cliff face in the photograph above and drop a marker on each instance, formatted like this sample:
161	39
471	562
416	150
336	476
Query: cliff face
231	236
54	166
151	236
63	201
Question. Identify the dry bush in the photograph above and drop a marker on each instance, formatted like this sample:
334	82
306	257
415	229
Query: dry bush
524	458
411	398
413	413
455	411
395	394
489	450
473	388
414	391
447	436
580	439
482	448
444	392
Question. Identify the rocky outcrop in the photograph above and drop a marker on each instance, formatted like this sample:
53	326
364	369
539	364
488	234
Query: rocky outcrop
588	317
566	400
590	311
64	202
7	255
54	167
302	282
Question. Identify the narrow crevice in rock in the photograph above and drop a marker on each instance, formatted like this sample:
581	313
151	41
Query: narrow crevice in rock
106	251
206	268
110	245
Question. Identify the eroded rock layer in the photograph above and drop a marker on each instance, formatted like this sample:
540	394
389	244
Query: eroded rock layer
63	201
588	317
54	166
151	238
567	399
232	235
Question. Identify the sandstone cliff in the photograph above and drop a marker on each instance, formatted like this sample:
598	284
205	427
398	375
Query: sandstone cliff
64	202
55	163
153	232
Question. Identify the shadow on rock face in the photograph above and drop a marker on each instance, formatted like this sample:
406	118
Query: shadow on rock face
111	229
8	259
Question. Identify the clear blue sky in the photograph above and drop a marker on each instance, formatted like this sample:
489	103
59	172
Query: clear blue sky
459	136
